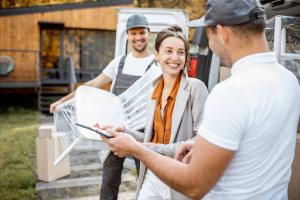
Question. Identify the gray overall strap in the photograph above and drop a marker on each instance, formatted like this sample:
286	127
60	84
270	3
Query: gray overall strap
123	81
121	64
148	67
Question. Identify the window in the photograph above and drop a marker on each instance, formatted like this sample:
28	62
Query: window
89	50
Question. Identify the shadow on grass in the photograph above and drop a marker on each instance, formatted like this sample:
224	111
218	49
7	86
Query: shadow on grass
18	101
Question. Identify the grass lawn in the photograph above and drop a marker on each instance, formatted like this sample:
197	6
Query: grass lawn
18	130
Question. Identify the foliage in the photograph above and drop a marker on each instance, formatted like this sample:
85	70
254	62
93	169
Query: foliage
26	3
161	3
18	129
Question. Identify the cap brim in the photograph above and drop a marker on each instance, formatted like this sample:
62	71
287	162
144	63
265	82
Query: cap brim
197	23
137	26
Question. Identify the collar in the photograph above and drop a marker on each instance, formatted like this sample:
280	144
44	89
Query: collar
160	85
158	89
254	59
175	87
130	54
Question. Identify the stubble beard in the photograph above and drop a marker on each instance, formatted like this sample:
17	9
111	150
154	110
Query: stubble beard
140	50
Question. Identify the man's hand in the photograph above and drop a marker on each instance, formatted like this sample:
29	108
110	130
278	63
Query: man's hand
54	105
184	152
122	144
117	128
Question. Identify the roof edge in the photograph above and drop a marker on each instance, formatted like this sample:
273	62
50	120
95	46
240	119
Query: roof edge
61	7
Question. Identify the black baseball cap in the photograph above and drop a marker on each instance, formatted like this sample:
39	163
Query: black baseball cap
137	21
229	12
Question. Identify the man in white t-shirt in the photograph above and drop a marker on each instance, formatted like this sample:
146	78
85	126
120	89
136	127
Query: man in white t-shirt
135	64
122	71
247	137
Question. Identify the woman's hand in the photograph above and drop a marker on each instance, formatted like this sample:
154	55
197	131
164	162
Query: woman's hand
184	152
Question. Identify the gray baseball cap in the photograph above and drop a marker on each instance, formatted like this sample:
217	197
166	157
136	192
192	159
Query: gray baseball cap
137	21
229	12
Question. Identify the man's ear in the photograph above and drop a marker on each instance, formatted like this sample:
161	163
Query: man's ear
223	34
149	32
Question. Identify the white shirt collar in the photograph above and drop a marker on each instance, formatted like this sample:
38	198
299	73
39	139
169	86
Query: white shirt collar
248	61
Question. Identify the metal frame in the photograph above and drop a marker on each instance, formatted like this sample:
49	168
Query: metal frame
214	72
280	43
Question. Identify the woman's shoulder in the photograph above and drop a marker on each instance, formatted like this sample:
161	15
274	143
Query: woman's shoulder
195	83
197	89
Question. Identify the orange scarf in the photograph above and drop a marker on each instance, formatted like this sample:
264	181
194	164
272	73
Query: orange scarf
162	127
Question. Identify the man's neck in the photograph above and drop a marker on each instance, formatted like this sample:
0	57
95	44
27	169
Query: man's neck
142	54
256	45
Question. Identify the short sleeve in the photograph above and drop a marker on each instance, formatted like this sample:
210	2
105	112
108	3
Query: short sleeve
225	117
112	68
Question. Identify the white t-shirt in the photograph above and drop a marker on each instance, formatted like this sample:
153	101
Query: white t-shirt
255	113
132	66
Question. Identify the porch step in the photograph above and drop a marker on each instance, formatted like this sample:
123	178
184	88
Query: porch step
69	188
51	92
122	196
89	170
82	198
79	187
86	175
85	157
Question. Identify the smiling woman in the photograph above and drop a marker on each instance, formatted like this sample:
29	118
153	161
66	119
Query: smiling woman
174	111
172	56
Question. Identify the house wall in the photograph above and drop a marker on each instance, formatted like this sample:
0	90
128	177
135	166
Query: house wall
21	33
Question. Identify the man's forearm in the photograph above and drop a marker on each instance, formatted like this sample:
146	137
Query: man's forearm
99	81
66	98
194	179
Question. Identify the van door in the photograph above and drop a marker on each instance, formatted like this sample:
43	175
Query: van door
158	19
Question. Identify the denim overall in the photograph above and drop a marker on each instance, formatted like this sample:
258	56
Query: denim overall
113	165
